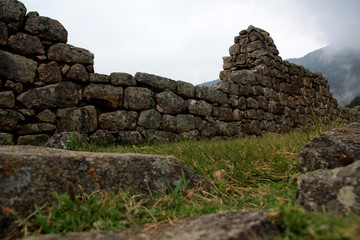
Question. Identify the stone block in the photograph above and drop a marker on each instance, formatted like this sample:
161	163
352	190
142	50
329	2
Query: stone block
138	98
83	119
170	103
118	120
104	95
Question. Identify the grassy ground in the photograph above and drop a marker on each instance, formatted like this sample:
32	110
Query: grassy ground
246	173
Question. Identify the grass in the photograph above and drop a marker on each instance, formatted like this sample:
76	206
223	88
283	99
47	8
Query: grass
245	173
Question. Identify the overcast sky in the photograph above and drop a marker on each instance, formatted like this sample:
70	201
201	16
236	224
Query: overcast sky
186	40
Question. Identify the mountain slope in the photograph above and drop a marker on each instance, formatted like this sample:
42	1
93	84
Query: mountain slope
342	66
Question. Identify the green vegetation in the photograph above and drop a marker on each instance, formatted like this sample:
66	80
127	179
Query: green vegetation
355	102
245	173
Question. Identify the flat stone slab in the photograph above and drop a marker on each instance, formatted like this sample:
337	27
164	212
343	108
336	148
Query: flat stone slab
337	190
29	174
335	148
218	226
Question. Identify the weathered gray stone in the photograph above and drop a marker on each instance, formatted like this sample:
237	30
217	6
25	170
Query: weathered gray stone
200	107
119	120
246	90
156	82
211	95
138	98
49	72
46	116
78	72
226	129
6	139
244	225
103	137
336	190
32	128
133	137
99	78
153	135
223	113
252	103
9	119
36	172
65	140
64	94
193	134
122	79
12	12
170	102
7	99
17	87
104	95
334	148
227	87
17	68
242	77
185	89
185	122
208	130
83	119
34	140
26	44
168	123
3	34
62	52
46	28
150	119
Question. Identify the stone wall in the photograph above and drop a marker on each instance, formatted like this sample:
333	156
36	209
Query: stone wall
49	86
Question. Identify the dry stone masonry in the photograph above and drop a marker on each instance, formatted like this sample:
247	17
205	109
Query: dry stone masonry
48	86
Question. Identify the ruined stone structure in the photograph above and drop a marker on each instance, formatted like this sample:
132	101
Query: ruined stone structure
48	86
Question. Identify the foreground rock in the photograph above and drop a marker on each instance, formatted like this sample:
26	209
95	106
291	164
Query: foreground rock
337	190
219	226
30	174
335	148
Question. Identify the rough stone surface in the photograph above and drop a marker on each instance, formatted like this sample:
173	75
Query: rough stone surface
118	120
46	116
185	122
99	78
132	137
6	139
103	137
12	12
17	68
63	140
170	102
137	98
332	149
46	28
104	95
158	83
123	79
32	128
34	140
3	34
67	53
200	108
83	119
150	119
244	225
64	94
78	72
33	173
7	99
211	95
16	87
49	72
26	44
338	190
9	119
185	89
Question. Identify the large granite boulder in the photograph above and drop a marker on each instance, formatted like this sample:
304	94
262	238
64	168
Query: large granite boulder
336	190
244	225
30	174
335	148
12	12
17	68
